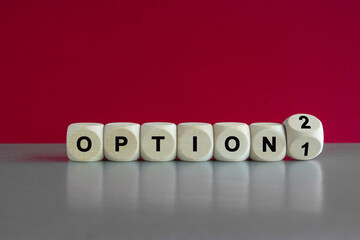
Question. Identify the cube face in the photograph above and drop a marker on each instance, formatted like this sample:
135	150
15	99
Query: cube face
195	141
304	123
268	142
304	148
305	136
121	141
232	141
158	141
84	142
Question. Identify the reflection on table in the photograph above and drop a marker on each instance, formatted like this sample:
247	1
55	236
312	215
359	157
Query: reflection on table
185	187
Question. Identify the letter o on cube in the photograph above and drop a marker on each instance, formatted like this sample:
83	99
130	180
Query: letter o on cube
305	136
158	141
121	141
268	142
195	141
84	142
232	141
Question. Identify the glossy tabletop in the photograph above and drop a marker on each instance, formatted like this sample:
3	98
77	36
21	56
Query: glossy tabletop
44	196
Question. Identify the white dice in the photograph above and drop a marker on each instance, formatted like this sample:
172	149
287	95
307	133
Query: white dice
305	136
195	141
268	142
121	141
301	137
232	141
84	142
158	141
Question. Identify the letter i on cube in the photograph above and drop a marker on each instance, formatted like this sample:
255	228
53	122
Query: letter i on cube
195	141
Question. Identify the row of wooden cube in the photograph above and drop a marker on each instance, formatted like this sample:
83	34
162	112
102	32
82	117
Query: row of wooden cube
301	137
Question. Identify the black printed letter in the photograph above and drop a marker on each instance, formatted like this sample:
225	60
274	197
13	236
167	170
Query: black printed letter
267	142
194	143
118	144
158	138
78	144
237	144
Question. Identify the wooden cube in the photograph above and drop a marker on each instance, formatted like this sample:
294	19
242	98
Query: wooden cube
268	142
121	141
305	136
84	142
195	141
232	141
158	141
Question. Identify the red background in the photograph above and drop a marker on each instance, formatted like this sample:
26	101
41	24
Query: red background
108	61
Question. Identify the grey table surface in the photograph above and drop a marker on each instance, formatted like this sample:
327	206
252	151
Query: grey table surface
44	196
